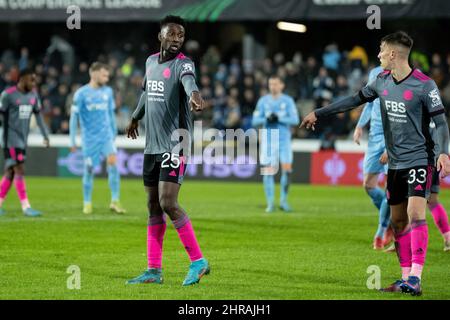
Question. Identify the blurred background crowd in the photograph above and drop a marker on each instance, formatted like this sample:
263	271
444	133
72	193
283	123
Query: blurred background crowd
230	86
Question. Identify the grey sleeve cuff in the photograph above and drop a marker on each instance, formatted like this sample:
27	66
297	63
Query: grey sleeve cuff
442	132
189	85
139	112
339	106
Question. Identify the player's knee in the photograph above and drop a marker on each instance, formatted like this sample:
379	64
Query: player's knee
9	173
368	188
432	202
18	170
154	208
112	160
399	224
168	206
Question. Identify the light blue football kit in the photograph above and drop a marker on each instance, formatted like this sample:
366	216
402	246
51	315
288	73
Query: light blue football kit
375	148
94	108
275	141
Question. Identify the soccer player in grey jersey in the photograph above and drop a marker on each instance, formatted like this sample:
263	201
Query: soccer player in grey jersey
17	103
169	95
409	100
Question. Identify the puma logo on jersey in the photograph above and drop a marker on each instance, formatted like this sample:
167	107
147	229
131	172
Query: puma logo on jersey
435	98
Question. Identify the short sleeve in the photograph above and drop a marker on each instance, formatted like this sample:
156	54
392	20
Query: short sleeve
37	107
432	99
77	101
4	102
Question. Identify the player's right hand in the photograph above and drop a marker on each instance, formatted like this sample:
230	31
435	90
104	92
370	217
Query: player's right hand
309	121
443	165
357	135
132	129
196	101
384	158
73	149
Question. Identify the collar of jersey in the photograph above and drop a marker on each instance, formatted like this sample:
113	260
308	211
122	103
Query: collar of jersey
398	82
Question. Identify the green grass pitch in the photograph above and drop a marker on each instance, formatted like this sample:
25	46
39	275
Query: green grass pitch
320	251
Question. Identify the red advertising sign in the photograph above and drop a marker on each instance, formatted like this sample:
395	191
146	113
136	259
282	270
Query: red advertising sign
334	168
342	168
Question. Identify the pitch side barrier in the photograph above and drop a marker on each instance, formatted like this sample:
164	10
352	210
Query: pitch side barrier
340	167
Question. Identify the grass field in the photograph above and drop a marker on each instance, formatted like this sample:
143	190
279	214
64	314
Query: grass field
321	251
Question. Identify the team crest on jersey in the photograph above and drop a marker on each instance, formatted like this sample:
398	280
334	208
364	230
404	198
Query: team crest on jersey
435	98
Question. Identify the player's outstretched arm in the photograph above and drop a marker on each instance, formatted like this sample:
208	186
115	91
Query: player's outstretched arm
190	87
443	162
42	128
339	106
138	114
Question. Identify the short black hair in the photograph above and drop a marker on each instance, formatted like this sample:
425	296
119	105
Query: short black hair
399	38
276	76
25	72
98	66
172	19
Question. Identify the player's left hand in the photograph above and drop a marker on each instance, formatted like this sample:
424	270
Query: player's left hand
132	129
196	101
309	121
384	158
46	143
443	165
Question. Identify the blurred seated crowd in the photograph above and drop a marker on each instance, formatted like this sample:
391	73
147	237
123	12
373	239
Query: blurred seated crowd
230	88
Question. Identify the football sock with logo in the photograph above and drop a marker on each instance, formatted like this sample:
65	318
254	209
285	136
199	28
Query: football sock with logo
441	220
114	182
19	183
403	249
377	195
155	237
187	236
88	181
419	244
384	218
5	186
269	188
284	186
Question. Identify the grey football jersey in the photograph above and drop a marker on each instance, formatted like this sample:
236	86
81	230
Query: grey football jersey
167	105
406	110
17	108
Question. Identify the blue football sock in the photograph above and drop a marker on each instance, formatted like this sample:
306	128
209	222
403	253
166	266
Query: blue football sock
88	181
114	182
384	218
269	188
377	195
284	186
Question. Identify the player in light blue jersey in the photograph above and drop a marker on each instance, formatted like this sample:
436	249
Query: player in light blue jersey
93	107
373	165
276	112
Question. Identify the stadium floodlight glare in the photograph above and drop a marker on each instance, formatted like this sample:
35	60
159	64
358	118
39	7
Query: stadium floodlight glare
289	26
